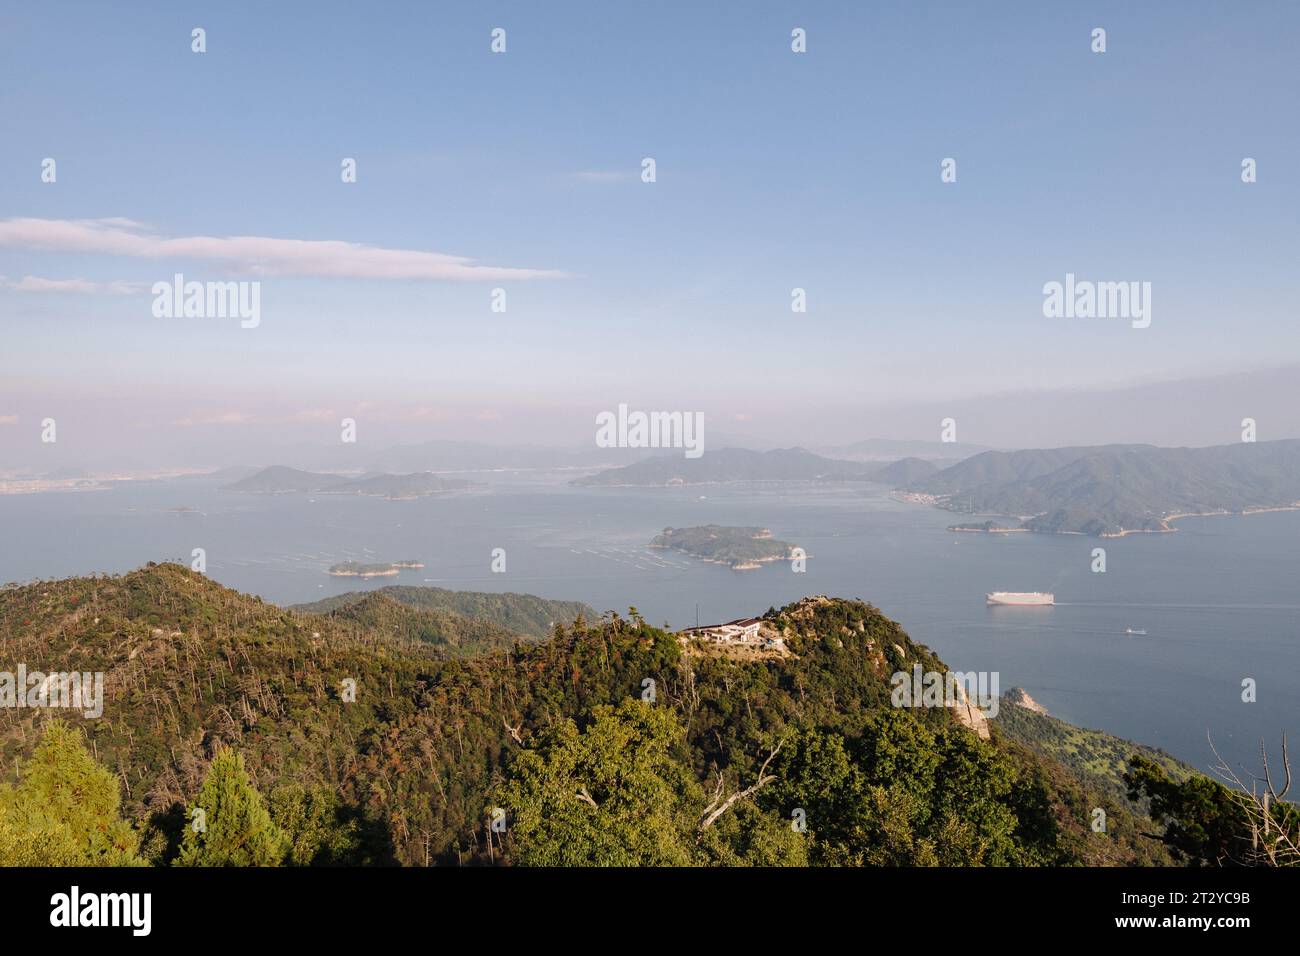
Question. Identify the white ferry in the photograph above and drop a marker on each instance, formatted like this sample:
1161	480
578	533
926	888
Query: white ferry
1021	598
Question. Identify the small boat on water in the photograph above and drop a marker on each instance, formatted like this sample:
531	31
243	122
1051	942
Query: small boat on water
1139	631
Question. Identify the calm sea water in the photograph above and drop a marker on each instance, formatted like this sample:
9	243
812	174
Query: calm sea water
1218	600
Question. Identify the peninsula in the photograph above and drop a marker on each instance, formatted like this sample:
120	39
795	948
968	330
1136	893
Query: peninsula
1111	491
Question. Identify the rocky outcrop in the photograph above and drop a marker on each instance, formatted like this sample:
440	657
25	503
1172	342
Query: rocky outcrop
1020	698
969	715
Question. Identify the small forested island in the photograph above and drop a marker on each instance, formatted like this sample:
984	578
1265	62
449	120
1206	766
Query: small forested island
741	549
355	569
991	527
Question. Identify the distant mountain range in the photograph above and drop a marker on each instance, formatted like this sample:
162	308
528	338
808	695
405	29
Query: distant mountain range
444	456
741	464
731	464
889	449
1103	490
1116	489
447	456
904	472
279	480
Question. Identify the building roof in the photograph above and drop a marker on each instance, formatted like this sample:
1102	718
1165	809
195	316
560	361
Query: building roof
742	622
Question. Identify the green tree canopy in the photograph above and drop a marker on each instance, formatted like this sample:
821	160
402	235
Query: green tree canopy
316	826
620	793
1208	824
228	824
64	810
614	794
900	793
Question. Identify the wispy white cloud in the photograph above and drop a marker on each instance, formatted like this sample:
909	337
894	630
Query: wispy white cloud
84	286
254	255
8	419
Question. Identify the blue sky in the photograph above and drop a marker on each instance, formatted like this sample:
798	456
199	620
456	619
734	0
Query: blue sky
775	170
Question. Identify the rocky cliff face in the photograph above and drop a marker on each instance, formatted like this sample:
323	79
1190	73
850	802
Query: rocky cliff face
968	715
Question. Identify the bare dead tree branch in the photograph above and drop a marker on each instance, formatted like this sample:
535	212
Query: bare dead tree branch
717	795
716	809
1275	835
514	731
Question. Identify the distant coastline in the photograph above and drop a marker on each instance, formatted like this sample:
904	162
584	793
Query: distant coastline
988	527
1112	491
281	480
355	569
1168	519
1120	533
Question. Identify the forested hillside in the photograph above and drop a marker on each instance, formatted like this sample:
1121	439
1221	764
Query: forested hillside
524	613
445	632
608	743
1099	758
1111	489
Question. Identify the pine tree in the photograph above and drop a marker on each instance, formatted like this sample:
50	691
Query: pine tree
65	809
229	824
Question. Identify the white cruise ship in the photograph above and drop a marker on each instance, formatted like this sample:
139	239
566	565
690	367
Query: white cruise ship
1021	597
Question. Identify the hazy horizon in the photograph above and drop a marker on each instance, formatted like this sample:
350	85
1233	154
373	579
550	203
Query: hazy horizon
99	433
523	172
